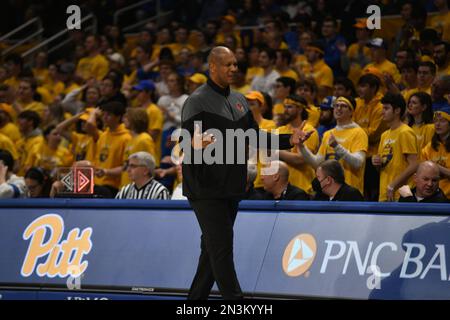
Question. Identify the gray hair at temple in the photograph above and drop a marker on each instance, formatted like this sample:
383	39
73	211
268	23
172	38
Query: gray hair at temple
251	173
145	159
333	168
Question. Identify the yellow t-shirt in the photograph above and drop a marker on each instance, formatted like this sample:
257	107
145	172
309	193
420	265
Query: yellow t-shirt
354	140
49	159
355	71
155	122
25	148
442	158
313	115
8	145
141	142
386	67
302	177
441	23
369	117
83	147
394	146
93	67
320	72
109	154
11	131
424	134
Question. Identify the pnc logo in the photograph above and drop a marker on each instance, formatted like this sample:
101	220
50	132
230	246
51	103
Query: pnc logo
299	255
58	258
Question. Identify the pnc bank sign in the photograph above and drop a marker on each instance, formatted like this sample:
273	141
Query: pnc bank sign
302	252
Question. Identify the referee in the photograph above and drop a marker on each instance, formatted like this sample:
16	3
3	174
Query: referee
140	168
214	190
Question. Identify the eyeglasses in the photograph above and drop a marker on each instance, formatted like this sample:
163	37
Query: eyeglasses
320	181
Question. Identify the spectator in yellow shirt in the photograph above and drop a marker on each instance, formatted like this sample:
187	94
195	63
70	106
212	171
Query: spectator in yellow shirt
26	101
347	143
301	173
344	87
28	122
397	152
441	21
442	58
317	69
438	150
84	138
358	55
308	90
50	154
239	83
284	86
419	113
283	63
379	48
227	28
136	121
111	146
14	66
146	90
94	65
7	126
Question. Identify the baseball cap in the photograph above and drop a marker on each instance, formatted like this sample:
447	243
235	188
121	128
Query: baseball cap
255	95
230	19
198	78
377	43
146	85
361	24
327	102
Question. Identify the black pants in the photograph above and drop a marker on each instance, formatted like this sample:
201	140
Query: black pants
371	181
216	219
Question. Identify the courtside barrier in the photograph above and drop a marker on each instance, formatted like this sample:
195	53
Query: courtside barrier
131	249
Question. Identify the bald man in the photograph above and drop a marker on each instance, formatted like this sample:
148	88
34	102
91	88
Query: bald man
427	185
277	185
214	190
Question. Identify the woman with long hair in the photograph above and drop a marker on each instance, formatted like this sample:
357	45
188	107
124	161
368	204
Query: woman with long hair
438	150
419	114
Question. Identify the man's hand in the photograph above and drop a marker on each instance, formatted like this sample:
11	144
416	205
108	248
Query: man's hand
100	172
299	136
201	141
405	191
390	193
332	141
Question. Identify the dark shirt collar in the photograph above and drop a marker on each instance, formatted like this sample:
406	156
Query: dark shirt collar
222	91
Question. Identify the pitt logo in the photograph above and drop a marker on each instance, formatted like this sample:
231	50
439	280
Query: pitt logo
62	258
299	255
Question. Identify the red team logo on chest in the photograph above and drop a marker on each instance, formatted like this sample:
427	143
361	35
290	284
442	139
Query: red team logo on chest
240	107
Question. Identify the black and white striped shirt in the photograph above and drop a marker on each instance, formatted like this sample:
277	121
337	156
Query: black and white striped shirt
151	190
